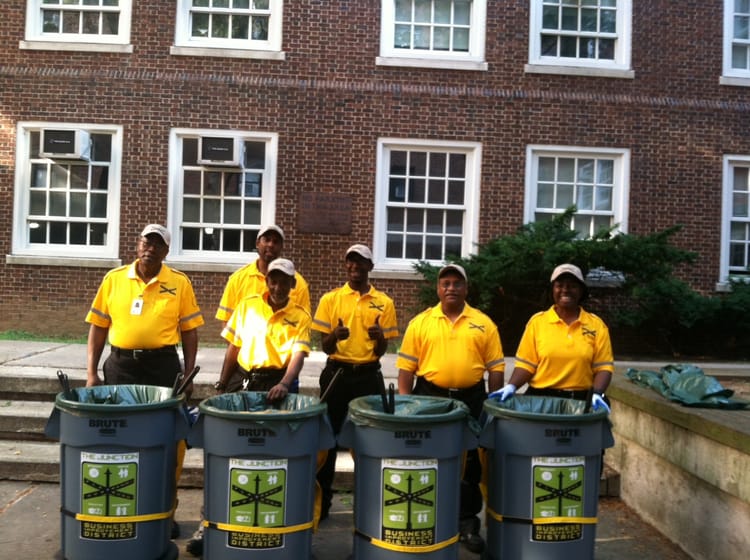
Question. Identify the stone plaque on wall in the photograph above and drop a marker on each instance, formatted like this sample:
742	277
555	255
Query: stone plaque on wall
324	213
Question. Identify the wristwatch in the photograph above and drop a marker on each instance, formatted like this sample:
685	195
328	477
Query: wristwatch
219	386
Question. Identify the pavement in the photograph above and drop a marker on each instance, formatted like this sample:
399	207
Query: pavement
30	516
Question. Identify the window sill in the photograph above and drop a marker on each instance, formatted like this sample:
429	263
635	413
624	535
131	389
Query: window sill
734	81
196	266
579	71
78	46
82	262
431	63
227	53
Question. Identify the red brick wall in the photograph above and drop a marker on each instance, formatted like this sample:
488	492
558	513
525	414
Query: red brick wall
330	103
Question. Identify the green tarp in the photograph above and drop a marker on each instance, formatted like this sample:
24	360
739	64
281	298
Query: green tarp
688	385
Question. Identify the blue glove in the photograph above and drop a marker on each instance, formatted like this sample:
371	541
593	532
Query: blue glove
597	402
504	393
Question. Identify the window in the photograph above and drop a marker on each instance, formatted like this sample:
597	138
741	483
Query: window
229	28
433	33
216	210
427	201
66	205
736	43
589	37
92	25
735	229
594	181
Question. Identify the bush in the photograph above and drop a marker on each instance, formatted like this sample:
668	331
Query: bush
633	288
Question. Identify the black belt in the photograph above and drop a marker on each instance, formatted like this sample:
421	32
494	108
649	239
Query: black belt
348	368
262	373
579	395
451	392
138	354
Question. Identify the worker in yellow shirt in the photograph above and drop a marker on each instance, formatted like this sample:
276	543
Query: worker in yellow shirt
145	309
268	336
355	322
251	280
565	351
448	348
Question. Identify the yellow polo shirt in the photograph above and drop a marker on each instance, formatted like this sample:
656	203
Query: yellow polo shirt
561	356
451	355
267	338
249	281
140	315
358	313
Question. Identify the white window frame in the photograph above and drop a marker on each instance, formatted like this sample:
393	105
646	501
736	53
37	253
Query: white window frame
620	67
728	164
186	45
194	260
473	151
23	251
621	176
36	39
731	76
472	60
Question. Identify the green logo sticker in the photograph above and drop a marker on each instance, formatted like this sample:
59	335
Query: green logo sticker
409	501
558	492
257	498
109	485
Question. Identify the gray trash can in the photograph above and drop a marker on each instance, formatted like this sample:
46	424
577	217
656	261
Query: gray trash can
407	469
544	465
259	461
118	455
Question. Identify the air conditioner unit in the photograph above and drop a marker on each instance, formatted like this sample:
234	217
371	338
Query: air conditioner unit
65	144
215	150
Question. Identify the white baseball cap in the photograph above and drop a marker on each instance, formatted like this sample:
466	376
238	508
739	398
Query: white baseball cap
271	227
282	265
567	268
362	250
159	230
453	267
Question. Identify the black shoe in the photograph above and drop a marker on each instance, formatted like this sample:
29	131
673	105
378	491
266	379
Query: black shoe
469	534
175	532
195	545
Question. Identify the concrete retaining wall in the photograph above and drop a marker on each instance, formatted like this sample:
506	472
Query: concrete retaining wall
685	470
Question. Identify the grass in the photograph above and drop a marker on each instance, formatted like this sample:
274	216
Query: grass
23	335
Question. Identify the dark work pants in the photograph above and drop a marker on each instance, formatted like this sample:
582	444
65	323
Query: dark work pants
471	497
348	385
148	369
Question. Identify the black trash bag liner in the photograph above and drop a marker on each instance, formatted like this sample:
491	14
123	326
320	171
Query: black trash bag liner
688	385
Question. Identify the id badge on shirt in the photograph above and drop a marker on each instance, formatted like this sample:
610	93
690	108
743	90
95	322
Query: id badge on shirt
136	307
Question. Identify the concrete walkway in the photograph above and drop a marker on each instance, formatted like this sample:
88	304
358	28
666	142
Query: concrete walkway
29	511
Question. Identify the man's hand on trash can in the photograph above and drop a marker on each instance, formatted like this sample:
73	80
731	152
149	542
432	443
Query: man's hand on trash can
598	402
278	391
505	393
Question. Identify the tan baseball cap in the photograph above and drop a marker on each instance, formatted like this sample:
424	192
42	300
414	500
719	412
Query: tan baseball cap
271	227
282	265
159	230
453	267
362	250
567	268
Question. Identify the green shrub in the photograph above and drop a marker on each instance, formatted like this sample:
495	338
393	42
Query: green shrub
648	309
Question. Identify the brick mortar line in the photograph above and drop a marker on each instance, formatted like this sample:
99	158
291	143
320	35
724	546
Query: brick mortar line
374	86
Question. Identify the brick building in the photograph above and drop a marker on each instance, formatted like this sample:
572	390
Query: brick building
418	127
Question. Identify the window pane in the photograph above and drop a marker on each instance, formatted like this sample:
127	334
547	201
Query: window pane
403	10
212	183
78	205
413	247
110	24
545	197
585	198
232	240
91	23
421	37
232	212
191	182
58	233
568	47
461	12
454	222
101	147
220	26
422	9
200	25
570	19
453	246
442	39
98	205
607	49
393	246
59	177
436	193
397	190
414	220
79	177
71	22
98	234
191	239
418	162
232	184
437	165
434	221
190	151
738	231
253	185
546	169
566	170
240	27
252	216
255	155
38	203
609	21
416	190
564	197
456	192
457	167
739	57
740	178
38	175
442	11
211	211
398	163
604	199
191	210
605	171
38	232
99	177
461	40
50	21
260	28
78	234
549	45
550	17
395	219
402	37
433	247
57	204
588	19
586	171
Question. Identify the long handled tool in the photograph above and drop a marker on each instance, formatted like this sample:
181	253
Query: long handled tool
333	380
182	381
65	384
